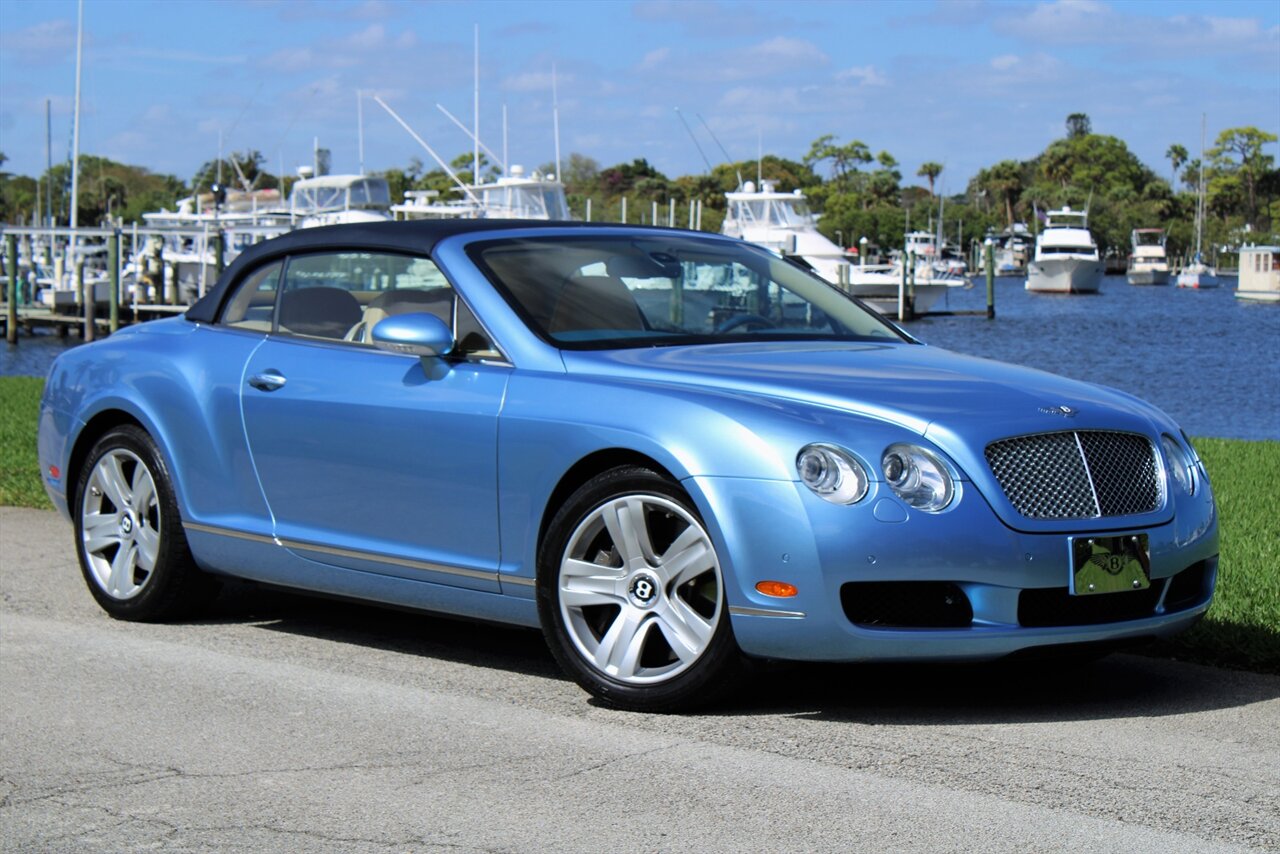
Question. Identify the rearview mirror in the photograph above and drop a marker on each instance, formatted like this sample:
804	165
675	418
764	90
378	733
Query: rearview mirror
416	334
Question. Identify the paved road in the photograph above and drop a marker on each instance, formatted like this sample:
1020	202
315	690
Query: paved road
282	723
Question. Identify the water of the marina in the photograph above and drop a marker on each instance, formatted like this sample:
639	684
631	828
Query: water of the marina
1209	360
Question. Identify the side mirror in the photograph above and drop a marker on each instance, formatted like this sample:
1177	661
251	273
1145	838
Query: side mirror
416	334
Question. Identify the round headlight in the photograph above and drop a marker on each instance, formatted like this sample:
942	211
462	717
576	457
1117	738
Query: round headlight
917	477
831	473
1178	464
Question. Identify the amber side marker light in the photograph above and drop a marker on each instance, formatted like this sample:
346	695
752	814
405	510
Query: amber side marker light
781	589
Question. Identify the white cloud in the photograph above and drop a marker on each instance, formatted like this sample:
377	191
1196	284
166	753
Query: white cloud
1004	62
655	59
867	75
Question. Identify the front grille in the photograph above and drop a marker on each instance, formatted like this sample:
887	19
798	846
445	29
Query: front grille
906	604
1083	474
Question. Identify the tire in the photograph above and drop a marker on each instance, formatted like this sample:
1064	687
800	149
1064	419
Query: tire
635	611
129	537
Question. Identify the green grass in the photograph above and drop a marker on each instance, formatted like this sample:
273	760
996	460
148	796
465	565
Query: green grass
1241	630
20	484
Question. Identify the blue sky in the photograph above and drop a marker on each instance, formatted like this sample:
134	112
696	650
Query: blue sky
962	82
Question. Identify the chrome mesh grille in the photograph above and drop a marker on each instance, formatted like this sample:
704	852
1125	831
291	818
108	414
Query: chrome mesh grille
1077	475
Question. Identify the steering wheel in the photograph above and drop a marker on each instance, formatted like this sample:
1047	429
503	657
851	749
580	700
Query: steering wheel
737	320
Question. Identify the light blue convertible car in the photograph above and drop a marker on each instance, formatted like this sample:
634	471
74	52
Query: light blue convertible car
674	452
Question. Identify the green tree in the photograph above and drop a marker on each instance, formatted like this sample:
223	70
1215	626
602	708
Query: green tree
930	171
1247	144
1176	155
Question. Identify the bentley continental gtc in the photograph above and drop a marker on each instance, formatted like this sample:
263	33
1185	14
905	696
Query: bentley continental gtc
673	452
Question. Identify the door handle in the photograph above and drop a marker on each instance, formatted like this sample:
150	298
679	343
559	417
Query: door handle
267	380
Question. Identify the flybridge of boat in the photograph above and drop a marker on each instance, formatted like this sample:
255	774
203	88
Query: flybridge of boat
767	207
1067	218
1148	237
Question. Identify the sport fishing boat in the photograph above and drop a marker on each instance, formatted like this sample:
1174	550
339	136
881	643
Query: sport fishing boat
513	196
1148	263
1066	259
783	223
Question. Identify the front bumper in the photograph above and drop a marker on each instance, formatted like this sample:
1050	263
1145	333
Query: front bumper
771	530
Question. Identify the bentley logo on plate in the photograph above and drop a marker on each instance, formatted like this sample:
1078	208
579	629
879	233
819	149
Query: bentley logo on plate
1066	411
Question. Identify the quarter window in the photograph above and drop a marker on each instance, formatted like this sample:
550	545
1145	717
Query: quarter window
341	296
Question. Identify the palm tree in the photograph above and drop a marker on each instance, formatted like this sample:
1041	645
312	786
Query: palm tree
1177	156
931	171
1005	180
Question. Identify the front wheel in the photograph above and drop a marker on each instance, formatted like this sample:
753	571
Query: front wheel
129	538
631	595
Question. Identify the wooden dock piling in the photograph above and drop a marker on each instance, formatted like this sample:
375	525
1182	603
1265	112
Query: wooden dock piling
11	265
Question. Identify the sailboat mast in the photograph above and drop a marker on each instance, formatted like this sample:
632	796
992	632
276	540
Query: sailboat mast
75	131
1200	200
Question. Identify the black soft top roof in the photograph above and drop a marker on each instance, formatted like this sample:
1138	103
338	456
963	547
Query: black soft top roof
417	236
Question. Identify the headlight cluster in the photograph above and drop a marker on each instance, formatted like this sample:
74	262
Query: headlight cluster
1178	464
915	475
832	473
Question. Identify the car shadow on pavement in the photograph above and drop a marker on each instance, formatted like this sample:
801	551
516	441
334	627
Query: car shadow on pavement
1024	691
439	636
1122	685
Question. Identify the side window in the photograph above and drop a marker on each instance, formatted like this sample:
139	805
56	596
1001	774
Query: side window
342	295
253	305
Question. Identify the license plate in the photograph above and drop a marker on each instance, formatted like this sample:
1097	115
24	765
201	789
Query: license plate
1110	564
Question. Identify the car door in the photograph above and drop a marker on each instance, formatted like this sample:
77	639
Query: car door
372	460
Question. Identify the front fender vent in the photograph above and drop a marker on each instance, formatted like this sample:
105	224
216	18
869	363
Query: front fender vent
1084	474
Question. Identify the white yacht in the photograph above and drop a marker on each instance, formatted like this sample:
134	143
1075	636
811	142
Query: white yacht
782	223
514	196
1148	263
1259	274
1013	249
1066	259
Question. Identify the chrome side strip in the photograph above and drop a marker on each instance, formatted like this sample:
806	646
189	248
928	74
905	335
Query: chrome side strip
516	579
350	553
229	532
739	611
396	561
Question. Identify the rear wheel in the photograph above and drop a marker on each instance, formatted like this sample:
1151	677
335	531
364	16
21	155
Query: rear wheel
631	595
129	538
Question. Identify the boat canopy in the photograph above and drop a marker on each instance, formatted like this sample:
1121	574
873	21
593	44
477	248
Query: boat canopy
339	193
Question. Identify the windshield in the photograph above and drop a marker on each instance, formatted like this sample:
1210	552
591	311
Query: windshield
585	292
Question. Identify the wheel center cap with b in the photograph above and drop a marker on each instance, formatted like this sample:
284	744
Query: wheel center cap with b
643	590
126	525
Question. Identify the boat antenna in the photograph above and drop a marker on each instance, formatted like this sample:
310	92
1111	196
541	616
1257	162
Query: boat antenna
502	162
360	125
555	119
727	158
711	133
75	133
689	131
475	137
759	158
445	166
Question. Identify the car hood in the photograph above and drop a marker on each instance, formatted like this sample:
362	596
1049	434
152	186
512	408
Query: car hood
959	402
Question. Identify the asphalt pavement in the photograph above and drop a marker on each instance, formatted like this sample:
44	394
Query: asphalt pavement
285	723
